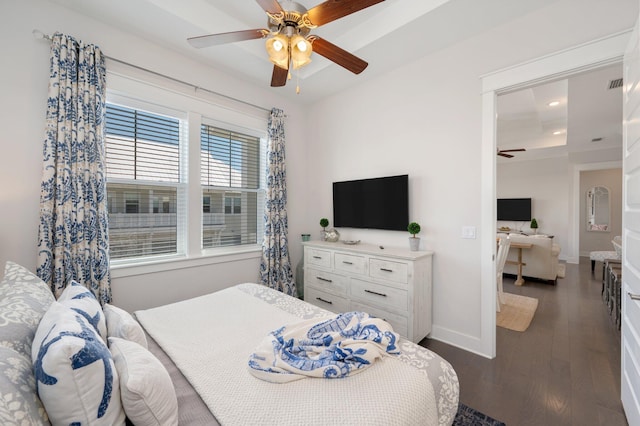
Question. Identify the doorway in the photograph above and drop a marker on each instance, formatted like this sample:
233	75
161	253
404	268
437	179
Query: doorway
586	57
573	123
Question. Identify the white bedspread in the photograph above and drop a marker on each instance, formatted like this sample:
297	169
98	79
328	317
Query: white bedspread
211	337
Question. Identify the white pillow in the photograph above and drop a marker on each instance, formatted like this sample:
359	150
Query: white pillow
121	323
75	374
83	301
147	392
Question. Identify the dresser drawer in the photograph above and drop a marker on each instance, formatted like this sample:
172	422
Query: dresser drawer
398	322
328	281
316	257
325	300
380	295
388	270
350	263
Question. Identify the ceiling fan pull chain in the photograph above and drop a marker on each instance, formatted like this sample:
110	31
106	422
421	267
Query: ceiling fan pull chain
298	82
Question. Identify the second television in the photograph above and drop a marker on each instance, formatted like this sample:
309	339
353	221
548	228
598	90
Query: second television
515	209
376	203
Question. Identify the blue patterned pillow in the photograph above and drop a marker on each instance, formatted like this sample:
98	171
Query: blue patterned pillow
24	298
83	301
19	402
75	373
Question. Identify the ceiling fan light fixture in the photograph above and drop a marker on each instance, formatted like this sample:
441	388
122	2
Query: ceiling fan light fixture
300	51
289	41
278	50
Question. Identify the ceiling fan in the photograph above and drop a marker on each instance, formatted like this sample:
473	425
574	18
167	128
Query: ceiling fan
289	42
503	152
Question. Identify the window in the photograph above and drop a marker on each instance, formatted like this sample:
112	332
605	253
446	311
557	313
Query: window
230	178
131	203
154	211
143	152
232	205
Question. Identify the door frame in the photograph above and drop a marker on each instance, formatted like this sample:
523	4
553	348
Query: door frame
594	54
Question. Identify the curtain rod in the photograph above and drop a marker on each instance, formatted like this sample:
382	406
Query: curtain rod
40	35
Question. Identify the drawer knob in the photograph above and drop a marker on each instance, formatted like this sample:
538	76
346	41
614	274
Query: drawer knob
375	292
386	270
325	301
317	257
634	296
324	279
347	263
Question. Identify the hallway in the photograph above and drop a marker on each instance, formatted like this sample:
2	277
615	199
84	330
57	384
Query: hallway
564	370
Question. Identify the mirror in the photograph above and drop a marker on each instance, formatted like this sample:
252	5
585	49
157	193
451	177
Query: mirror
598	209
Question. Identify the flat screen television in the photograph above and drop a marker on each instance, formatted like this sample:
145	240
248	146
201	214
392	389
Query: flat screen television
377	203
516	209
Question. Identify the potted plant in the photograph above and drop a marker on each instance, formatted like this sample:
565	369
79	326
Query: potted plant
534	225
324	222
414	242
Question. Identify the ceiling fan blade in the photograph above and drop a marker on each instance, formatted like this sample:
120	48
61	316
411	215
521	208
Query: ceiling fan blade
279	76
502	154
331	10
271	6
223	38
513	150
338	55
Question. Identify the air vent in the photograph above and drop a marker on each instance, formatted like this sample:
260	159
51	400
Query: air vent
614	84
596	139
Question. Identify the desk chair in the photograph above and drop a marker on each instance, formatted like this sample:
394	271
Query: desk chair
501	258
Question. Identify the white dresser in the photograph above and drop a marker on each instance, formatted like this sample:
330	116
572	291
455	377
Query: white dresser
390	283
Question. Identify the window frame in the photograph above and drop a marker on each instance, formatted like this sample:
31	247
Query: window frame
134	92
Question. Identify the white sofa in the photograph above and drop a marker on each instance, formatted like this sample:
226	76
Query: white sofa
540	261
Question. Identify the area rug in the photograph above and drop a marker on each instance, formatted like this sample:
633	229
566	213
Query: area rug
517	312
467	416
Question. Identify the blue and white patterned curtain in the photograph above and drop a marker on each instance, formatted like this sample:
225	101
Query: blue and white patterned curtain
275	267
73	243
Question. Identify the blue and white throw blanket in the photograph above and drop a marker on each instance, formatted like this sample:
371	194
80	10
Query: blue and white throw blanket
335	348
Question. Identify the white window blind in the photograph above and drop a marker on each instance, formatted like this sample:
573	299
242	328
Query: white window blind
230	167
143	160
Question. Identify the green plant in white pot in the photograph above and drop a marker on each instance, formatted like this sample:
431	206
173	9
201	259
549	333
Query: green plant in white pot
414	242
534	225
324	222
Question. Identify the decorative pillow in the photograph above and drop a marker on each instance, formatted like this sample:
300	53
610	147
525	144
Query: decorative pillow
121	324
24	298
19	402
83	301
75	373
147	392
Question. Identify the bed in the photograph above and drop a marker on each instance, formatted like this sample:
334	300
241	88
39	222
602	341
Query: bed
195	370
415	387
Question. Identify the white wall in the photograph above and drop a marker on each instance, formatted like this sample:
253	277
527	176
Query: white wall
424	119
546	182
23	85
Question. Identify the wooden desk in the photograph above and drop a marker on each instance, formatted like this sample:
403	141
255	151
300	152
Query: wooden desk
519	246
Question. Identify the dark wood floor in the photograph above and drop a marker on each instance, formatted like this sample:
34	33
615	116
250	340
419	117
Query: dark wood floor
564	370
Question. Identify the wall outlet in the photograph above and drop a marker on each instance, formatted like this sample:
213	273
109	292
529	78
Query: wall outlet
469	232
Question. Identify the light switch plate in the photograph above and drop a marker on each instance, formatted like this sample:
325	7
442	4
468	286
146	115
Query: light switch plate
469	232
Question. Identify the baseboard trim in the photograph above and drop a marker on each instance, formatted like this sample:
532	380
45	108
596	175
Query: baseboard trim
459	340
